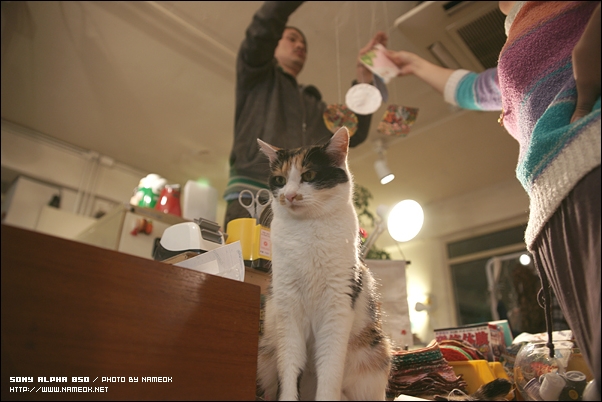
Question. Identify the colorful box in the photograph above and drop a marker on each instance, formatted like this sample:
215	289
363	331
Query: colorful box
490	338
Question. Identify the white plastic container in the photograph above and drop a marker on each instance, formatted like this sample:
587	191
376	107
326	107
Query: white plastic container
199	201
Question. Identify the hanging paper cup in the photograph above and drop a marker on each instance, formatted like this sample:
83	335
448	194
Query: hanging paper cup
377	61
337	115
397	121
363	99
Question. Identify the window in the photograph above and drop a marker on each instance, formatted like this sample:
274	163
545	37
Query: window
467	260
516	285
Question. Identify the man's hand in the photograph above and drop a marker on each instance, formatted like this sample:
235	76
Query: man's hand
363	74
379	37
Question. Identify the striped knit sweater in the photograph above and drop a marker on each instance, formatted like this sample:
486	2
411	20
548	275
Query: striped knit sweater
534	86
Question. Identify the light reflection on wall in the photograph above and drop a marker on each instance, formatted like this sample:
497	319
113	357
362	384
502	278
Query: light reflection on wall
419	302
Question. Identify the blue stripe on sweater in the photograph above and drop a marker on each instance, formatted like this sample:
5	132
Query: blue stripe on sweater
550	136
466	92
479	91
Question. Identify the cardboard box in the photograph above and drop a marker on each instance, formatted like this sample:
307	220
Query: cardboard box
490	338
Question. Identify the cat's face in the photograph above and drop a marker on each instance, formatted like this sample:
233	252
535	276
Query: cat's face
309	181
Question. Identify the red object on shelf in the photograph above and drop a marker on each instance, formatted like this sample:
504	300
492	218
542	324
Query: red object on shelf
169	200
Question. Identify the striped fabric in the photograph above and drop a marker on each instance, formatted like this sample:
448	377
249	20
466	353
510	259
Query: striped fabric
535	80
422	373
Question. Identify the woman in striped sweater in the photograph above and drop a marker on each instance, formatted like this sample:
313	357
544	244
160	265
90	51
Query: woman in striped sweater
547	86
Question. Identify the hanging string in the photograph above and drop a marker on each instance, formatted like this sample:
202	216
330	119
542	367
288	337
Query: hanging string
386	11
388	30
373	19
336	27
357	27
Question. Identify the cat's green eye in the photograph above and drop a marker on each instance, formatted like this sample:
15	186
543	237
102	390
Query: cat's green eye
310	175
279	180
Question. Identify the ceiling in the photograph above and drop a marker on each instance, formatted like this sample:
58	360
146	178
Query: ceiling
151	85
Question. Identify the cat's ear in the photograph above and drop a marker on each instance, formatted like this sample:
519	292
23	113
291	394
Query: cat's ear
338	146
269	150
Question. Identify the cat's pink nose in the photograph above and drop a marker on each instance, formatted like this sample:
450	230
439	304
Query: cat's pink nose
291	196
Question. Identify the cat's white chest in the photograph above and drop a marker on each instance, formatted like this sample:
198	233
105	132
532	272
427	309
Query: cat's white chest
328	235
310	255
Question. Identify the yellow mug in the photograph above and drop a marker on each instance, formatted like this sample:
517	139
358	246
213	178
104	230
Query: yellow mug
262	243
243	230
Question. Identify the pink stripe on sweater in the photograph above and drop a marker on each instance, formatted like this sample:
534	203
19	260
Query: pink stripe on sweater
531	55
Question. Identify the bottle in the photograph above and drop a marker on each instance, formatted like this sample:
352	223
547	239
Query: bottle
169	200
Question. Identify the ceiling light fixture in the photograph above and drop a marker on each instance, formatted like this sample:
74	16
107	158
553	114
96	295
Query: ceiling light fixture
380	166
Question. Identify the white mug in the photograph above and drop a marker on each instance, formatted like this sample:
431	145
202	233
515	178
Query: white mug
552	385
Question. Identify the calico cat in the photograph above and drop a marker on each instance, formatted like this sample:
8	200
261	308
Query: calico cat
322	335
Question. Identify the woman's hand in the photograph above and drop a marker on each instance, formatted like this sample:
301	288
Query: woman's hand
407	62
412	64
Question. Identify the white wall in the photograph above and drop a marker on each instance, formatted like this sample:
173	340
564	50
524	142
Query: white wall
487	210
89	182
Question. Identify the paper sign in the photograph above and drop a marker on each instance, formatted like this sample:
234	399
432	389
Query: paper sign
225	261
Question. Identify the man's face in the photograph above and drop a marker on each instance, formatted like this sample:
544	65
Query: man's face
291	49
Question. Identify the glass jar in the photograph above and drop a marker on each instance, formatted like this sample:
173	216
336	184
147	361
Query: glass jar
533	366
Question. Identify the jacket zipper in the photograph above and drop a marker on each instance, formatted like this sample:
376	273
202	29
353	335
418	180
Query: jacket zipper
303	123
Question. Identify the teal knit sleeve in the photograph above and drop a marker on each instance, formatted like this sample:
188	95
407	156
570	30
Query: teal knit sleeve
479	91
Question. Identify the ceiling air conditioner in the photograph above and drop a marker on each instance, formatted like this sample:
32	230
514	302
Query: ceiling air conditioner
458	34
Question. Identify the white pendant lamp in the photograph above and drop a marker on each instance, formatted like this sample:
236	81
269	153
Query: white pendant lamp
405	220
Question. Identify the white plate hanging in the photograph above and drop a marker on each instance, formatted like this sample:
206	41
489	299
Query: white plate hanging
363	99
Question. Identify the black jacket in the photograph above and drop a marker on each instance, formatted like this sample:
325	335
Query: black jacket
270	104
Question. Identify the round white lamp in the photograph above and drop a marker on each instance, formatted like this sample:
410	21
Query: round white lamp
405	220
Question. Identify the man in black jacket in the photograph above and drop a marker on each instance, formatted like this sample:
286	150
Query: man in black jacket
271	105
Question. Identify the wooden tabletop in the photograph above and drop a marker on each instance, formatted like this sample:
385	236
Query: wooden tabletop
75	310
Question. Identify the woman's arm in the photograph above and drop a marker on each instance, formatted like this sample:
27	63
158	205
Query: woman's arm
410	63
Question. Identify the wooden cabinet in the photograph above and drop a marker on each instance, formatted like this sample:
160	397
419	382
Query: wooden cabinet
259	278
75	310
